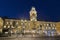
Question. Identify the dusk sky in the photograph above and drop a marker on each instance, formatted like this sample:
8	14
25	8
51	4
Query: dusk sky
47	10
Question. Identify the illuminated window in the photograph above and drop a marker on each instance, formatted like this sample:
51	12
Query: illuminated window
54	25
8	26
16	23
53	28
12	27
49	27
4	26
44	24
46	27
6	32
7	22
21	20
47	24
21	23
25	20
31	19
11	31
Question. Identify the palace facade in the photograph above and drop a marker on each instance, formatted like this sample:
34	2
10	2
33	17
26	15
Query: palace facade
32	26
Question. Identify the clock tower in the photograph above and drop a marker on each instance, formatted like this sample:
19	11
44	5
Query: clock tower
33	14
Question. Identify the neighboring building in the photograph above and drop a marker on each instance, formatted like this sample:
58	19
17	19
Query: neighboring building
32	26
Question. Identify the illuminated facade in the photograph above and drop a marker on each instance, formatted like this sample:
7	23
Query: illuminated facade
32	26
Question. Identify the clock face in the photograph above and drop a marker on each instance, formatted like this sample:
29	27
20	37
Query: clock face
1	22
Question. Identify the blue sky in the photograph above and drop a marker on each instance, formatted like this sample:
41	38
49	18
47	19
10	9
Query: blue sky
47	10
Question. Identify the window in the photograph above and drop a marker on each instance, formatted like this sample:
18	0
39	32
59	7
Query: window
46	27
21	20
8	26
44	24
53	28
6	32
40	27
54	25
47	24
7	22
49	27
12	27
25	20
5	26
16	23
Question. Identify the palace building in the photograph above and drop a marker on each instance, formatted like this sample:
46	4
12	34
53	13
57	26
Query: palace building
32	26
